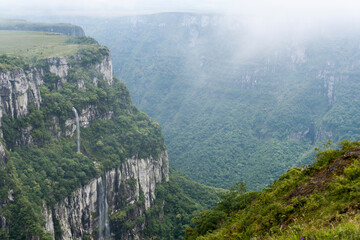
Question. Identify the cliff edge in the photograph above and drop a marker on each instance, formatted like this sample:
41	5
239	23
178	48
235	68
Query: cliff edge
48	189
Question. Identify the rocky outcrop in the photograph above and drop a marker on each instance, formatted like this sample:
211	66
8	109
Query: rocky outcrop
19	88
59	66
330	80
79	214
96	209
87	115
105	67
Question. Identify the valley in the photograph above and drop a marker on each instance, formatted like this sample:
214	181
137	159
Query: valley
239	110
235	107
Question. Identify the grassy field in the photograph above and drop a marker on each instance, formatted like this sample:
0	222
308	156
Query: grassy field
22	25
19	23
30	44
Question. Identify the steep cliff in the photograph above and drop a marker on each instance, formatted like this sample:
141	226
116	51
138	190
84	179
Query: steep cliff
130	186
48	190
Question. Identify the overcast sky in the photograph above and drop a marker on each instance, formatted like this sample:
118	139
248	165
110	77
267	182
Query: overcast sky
275	8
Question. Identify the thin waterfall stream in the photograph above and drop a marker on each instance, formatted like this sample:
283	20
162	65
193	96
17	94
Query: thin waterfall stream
77	128
104	226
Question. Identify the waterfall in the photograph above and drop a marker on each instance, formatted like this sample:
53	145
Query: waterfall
77	129
104	226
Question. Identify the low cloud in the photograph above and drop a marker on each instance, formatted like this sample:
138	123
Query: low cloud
259	8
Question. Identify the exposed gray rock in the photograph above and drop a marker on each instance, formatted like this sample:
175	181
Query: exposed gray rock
78	213
20	88
107	116
26	138
106	69
60	67
70	127
87	115
81	84
330	80
2	154
48	219
3	223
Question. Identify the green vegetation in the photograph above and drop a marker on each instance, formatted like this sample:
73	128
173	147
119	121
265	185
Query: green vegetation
315	202
229	113
204	195
39	45
50	168
9	63
177	202
22	25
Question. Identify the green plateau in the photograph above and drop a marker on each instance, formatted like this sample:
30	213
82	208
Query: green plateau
32	46
59	28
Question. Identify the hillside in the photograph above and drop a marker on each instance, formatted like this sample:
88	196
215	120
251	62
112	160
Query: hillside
319	201
117	186
229	101
22	25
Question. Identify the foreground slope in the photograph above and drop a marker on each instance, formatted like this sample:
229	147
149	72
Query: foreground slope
320	201
117	186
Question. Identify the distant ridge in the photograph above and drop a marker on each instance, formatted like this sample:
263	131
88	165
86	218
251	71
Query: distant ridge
22	25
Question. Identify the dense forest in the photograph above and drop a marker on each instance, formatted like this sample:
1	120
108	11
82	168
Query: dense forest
235	108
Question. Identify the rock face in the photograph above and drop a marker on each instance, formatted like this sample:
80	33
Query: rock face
20	88
79	215
106	69
95	210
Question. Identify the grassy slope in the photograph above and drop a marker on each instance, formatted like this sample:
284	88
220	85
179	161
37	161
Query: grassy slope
317	202
29	44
